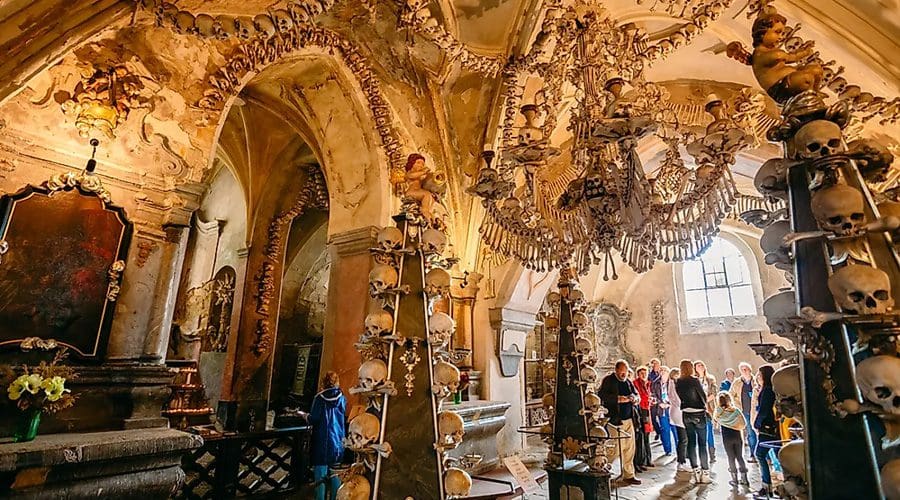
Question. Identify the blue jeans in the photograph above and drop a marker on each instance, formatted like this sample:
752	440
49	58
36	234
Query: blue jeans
762	453
665	431
320	473
709	433
751	433
695	425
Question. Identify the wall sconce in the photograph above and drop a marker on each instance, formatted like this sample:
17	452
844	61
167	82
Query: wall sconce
102	99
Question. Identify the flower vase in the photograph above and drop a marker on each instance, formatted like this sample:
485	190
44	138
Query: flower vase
28	426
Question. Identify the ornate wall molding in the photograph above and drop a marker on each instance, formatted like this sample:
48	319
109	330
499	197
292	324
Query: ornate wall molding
610	328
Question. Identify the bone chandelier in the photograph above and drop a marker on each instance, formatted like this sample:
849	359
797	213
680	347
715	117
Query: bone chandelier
547	215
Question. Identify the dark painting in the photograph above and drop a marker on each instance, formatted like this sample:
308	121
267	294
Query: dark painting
54	277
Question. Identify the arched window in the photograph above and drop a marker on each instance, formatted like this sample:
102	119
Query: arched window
718	283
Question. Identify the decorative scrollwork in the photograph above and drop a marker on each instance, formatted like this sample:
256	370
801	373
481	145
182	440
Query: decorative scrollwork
115	280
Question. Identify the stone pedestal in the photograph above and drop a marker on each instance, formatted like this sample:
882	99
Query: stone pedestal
482	421
110	397
578	482
143	464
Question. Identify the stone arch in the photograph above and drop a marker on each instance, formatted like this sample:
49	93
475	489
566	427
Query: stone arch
371	130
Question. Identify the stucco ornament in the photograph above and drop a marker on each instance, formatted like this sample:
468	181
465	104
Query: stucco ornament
382	279
839	209
356	487
861	289
362	432
457	483
421	187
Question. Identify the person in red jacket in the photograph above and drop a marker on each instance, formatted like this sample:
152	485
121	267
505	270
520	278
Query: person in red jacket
642	427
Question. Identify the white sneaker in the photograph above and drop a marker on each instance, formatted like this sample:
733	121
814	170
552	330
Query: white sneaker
704	477
684	468
695	474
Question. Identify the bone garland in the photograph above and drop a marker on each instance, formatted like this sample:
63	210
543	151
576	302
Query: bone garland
660	323
257	52
314	194
416	15
223	27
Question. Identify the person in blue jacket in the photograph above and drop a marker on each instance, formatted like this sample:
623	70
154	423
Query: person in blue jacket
327	419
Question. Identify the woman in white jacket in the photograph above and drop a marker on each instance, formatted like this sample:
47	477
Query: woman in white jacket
677	423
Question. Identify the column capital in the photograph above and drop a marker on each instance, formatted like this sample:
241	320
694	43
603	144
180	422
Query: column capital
355	241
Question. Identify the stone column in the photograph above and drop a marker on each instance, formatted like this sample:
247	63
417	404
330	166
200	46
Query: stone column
348	302
163	309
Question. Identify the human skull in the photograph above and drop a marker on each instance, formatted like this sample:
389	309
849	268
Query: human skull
450	428
441	326
244	27
772	244
437	282
592	403
283	21
793	459
446	376
872	157
583	345
548	402
363	431
225	27
379	323
588	374
488	185
771	179
356	487
551	322
552	300
890	480
786	382
891	209
576	297
552	347
390	238
433	242
457	483
206	25
839	209
580	320
372	374
860	289
779	309
185	23
879	381
382	279
264	25
818	139
550	372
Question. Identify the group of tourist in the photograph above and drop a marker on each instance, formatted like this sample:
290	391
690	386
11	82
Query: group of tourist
682	406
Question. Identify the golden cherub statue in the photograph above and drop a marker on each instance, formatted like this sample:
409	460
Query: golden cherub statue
771	64
420	184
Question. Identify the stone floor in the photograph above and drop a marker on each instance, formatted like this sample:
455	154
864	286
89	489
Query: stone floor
662	482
